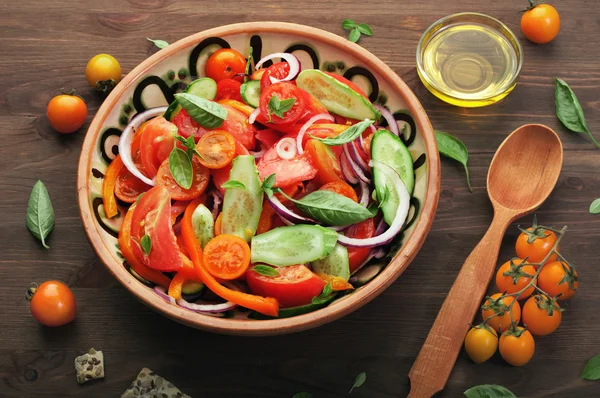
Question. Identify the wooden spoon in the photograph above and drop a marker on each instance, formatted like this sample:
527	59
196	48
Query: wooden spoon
522	174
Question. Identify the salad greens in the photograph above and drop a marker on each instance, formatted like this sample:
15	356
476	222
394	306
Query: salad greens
206	113
569	111
358	381
348	135
40	213
278	107
592	369
158	43
489	391
453	148
180	166
356	30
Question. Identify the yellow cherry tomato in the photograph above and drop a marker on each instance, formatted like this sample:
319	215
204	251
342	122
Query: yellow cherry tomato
103	72
481	343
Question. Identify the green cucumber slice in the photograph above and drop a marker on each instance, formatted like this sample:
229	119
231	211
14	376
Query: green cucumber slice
250	92
242	206
204	87
336	263
336	96
388	148
293	311
296	244
192	287
203	225
366	274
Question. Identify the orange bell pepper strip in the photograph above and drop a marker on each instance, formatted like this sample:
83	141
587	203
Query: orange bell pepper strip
176	285
108	187
240	106
264	305
218	225
337	283
139	267
265	223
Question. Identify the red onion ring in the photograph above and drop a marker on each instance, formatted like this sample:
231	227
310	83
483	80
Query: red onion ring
217	199
347	170
259	154
289	58
286	148
253	116
355	167
365	194
389	118
286	213
162	293
399	219
354	155
304	128
285	221
206	308
127	137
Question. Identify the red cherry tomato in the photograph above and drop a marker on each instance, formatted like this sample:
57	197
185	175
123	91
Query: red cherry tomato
225	63
66	113
228	89
278	70
283	92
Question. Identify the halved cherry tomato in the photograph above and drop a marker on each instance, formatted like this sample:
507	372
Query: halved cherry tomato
296	285
201	177
287	172
328	166
218	229
226	257
362	230
348	83
337	284
278	70
228	89
225	63
52	304
283	91
221	176
128	187
216	149
340	187
152	218
156	144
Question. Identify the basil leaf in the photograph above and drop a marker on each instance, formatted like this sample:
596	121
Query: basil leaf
365	29
233	184
592	369
359	380
595	207
267	185
568	109
180	166
265	270
146	244
348	135
325	295
40	214
331	208
204	112
354	35
453	148
327	289
348	24
302	395
158	43
489	391
182	140
278	107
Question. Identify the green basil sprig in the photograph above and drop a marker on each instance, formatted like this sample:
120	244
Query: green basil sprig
356	30
40	213
568	109
325	295
265	270
158	43
278	107
146	244
180	166
348	135
206	113
233	184
359	380
189	144
489	391
595	207
453	148
592	369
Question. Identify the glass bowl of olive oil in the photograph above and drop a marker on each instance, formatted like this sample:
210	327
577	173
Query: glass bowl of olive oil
469	59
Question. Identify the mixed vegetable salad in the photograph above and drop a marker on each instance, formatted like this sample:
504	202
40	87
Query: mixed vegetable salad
265	190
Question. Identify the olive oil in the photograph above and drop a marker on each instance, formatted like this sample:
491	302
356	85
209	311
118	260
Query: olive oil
469	64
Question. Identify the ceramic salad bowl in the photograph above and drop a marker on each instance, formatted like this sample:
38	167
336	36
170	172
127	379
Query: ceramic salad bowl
155	81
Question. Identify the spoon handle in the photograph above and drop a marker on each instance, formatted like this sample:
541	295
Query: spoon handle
438	355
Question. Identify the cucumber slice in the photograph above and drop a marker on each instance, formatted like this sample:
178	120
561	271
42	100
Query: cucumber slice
203	224
389	149
336	96
293	311
250	92
242	206
204	87
192	287
336	263
330	239
366	274
296	244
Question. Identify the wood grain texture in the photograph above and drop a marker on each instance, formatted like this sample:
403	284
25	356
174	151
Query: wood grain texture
45	46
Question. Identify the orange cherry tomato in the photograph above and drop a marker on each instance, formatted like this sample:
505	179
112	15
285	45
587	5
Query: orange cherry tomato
540	23
218	229
328	165
342	188
481	343
201	177
216	148
541	315
226	256
512	277
558	278
225	63
52	303
517	349
533	248
502	321
66	113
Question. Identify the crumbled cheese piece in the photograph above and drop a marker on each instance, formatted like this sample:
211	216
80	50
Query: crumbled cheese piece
150	385
89	366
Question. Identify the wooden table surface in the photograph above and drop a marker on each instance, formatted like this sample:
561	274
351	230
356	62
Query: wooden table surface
45	45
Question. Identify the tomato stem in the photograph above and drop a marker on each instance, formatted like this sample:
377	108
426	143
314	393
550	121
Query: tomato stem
31	291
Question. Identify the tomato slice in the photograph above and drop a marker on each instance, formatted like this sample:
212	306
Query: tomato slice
226	256
340	187
199	182
267	137
128	187
228	89
327	163
287	172
348	83
152	217
296	285
283	91
216	149
278	70
362	230
313	108
156	144
221	176
137	137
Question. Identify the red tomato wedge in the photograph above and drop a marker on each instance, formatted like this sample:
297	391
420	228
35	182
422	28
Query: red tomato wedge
287	172
267	137
340	187
283	91
128	187
362	230
296	285
221	176
156	144
313	108
228	89
327	164
152	217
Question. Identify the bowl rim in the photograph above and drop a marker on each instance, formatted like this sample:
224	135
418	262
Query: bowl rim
513	39
276	326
